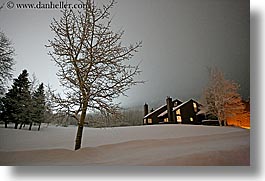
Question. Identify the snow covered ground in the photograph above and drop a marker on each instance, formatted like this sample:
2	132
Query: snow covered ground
141	145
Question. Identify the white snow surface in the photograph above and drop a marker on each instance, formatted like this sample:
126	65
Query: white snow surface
155	145
64	137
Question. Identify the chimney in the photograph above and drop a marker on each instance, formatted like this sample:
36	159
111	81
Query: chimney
145	109
169	109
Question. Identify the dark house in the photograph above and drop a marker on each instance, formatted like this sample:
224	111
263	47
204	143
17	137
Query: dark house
186	113
152	117
176	112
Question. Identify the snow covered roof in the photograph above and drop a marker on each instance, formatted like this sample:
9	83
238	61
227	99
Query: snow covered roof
174	109
177	107
161	107
202	111
162	114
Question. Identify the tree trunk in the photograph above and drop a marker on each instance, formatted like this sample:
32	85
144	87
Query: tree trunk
79	133
39	126
79	136
220	122
5	124
30	126
225	123
21	125
16	124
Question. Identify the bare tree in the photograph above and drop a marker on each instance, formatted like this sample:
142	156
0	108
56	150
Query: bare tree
221	97
6	61
92	62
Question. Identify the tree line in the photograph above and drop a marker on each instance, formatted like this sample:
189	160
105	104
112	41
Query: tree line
125	117
23	103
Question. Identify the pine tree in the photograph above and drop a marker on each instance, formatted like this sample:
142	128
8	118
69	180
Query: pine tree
38	101
17	101
3	112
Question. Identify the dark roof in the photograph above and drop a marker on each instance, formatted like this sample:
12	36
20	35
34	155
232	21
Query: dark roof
177	107
159	108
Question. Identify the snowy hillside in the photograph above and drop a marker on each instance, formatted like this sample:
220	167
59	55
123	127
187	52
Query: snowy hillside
142	145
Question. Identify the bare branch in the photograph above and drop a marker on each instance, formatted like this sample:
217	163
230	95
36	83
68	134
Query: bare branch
221	97
92	61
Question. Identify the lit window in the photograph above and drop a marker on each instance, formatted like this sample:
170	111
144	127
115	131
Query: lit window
195	107
166	120
178	111
191	119
149	121
144	121
179	119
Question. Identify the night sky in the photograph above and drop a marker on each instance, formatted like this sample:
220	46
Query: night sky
181	40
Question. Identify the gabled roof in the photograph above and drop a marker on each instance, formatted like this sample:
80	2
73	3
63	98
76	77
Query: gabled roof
161	107
202	111
177	107
162	114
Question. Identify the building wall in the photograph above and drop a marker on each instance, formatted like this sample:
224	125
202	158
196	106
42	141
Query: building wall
188	115
154	116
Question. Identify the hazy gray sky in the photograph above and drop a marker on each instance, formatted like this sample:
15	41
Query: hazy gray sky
181	38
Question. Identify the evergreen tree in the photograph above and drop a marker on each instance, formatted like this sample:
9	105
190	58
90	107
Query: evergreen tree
38	101
17	100
8	107
3	116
